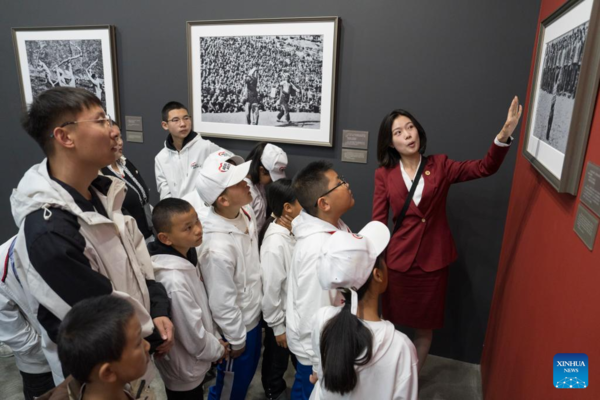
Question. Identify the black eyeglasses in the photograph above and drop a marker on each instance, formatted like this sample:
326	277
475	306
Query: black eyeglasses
342	182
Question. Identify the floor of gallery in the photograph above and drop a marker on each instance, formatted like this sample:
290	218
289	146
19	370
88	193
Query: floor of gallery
441	379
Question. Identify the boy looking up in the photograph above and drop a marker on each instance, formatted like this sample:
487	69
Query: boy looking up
177	165
100	341
179	232
194	198
325	197
74	242
230	265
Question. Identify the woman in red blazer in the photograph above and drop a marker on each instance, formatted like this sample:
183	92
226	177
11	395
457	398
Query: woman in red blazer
420	251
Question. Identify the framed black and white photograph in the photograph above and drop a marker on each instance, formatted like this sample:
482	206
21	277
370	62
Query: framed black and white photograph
563	93
79	56
270	79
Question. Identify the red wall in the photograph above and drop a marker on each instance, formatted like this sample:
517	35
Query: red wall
547	294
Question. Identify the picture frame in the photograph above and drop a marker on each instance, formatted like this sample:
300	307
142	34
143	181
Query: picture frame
264	79
73	56
563	93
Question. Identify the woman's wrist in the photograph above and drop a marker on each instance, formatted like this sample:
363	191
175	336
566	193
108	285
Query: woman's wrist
503	137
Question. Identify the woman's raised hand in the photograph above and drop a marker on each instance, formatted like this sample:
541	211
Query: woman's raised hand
512	119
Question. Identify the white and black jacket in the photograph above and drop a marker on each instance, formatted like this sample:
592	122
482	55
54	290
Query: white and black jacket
70	248
230	265
18	326
196	345
275	259
305	295
176	171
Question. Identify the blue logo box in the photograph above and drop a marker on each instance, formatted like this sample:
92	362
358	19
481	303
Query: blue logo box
571	371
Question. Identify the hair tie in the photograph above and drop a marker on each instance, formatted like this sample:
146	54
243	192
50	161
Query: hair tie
353	300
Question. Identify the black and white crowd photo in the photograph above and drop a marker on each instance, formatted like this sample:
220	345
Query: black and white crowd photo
67	63
556	95
262	80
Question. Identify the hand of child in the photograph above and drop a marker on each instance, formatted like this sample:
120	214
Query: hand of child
285	221
281	341
237	353
226	351
165	328
313	378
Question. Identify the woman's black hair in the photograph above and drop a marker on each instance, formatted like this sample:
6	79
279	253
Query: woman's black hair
255	156
387	155
278	193
346	342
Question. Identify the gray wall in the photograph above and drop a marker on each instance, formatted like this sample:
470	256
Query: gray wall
454	64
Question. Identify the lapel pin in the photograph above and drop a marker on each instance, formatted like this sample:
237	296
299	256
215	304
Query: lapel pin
427	173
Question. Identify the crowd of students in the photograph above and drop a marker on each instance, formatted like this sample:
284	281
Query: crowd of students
88	297
236	247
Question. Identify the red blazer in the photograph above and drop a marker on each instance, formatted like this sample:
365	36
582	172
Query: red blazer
424	237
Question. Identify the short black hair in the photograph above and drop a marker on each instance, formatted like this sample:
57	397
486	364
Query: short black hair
164	212
255	155
387	155
310	183
172	105
94	331
279	193
51	108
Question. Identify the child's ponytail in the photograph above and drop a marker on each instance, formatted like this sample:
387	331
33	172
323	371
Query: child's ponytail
345	342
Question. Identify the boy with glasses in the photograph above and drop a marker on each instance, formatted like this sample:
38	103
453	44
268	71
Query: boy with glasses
74	242
177	165
325	197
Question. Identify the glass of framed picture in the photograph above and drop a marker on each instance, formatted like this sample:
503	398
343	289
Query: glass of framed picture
563	93
75	56
264	79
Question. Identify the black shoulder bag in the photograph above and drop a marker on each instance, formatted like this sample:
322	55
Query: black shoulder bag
410	194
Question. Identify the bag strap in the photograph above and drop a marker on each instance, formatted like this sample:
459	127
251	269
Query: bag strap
413	188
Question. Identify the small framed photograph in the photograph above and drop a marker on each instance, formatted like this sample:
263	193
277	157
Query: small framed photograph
563	93
267	79
78	56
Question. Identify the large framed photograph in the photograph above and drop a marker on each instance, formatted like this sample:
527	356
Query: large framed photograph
563	93
268	79
78	56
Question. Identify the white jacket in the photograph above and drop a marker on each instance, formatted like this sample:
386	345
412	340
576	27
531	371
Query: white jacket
196	346
391	374
259	203
230	266
18	326
176	171
115	248
275	259
304	293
